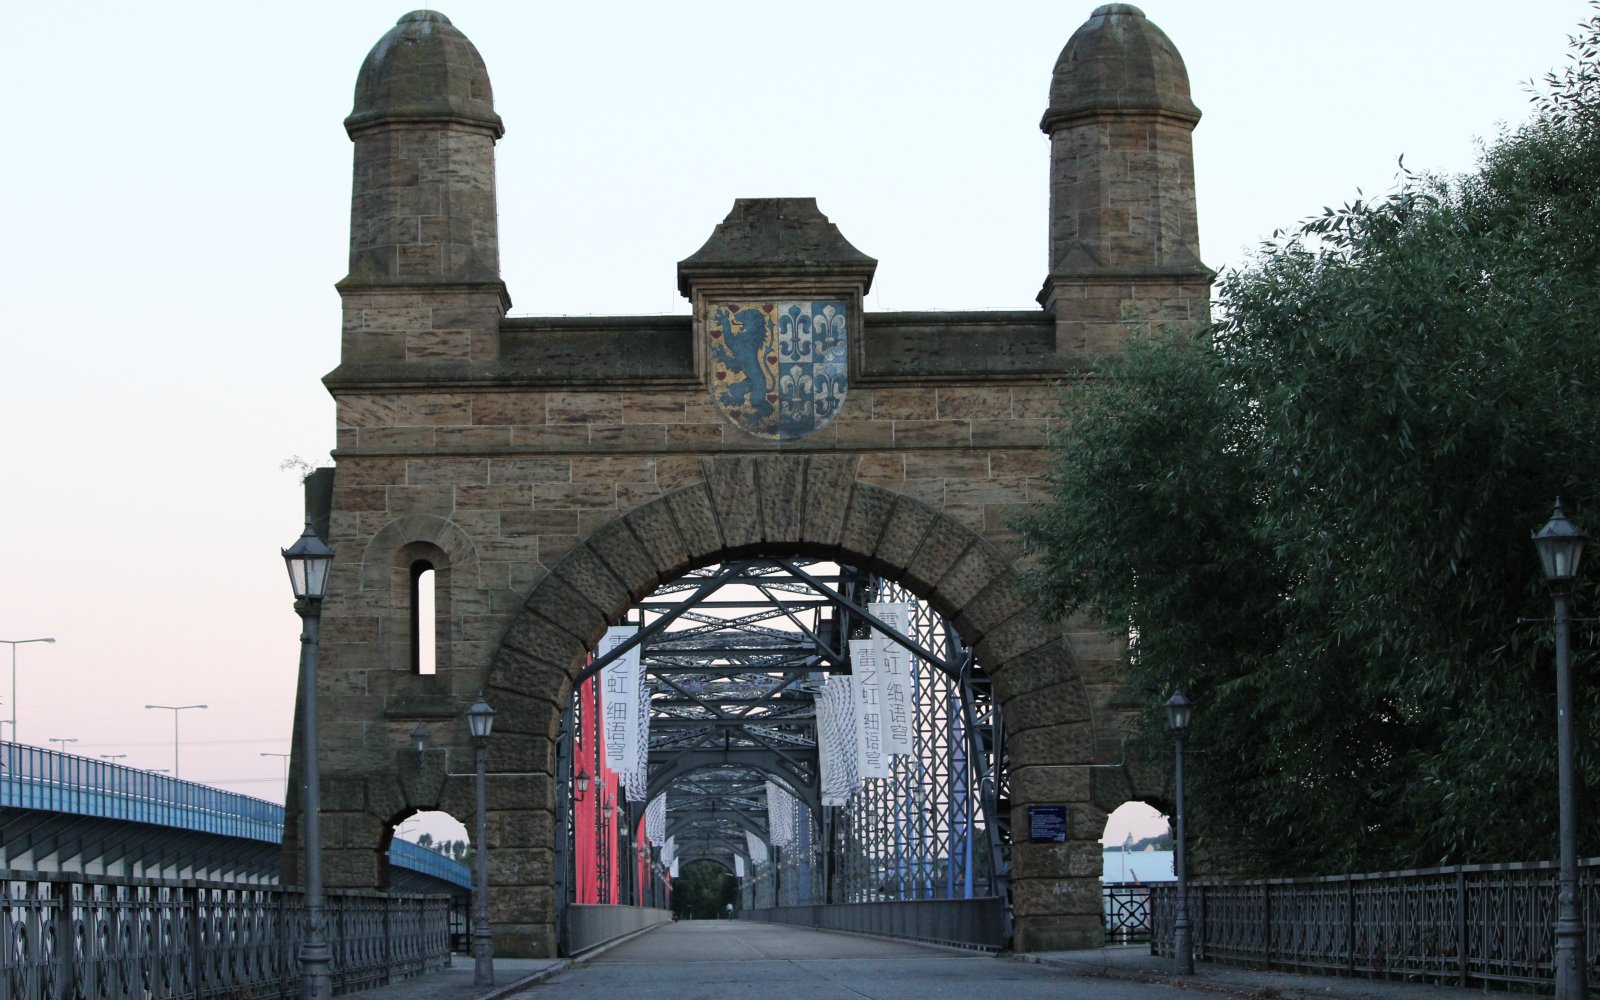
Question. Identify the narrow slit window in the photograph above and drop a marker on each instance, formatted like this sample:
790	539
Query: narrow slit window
424	643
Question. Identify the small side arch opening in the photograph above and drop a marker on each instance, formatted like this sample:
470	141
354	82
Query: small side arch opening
1136	852
429	852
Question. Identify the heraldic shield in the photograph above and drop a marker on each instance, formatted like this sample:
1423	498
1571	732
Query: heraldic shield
778	369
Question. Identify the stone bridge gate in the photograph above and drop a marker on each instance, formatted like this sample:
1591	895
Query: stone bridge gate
551	471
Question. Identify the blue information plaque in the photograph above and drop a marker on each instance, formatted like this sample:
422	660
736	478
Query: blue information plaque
1047	824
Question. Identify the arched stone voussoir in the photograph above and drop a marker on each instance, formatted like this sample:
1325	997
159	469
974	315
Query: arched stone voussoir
627	558
866	514
536	676
781	481
516	710
560	603
944	544
1024	632
378	556
656	528
735	501
696	521
902	536
776	503
587	573
830	485
982	565
1002	600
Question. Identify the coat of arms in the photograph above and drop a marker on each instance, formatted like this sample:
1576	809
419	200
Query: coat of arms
778	369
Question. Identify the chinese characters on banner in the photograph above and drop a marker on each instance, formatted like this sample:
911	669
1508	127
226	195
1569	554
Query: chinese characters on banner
880	687
872	759
619	703
894	676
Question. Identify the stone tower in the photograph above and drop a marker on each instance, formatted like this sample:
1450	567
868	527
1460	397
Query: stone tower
1124	241
423	228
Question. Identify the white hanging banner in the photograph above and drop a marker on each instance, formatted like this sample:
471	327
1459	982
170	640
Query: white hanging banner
836	740
619	706
872	761
669	850
738	866
655	820
674	868
894	677
780	815
757	848
637	779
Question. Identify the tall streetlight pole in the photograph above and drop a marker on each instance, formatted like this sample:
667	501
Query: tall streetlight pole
1179	712
63	742
176	710
285	758
308	560
480	719
14	643
1560	546
113	757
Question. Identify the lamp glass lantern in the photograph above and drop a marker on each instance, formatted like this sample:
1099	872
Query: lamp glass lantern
308	560
581	783
480	718
1179	712
1560	544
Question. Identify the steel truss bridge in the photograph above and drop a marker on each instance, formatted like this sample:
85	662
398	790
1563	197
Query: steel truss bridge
733	659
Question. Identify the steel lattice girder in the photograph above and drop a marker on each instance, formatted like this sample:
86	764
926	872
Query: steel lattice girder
732	683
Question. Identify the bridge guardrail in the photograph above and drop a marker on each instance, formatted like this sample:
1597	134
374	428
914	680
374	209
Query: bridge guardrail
1467	924
36	778
120	939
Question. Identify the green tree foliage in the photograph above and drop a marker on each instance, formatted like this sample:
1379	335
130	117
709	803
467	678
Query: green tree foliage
1314	515
702	891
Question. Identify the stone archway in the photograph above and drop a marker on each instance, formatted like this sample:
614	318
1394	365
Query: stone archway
554	469
812	504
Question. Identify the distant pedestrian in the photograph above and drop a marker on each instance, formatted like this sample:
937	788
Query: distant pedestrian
729	911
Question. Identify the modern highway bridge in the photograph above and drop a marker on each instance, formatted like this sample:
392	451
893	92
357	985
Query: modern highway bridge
64	814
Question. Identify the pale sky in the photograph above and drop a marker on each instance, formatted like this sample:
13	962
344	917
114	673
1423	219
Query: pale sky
180	186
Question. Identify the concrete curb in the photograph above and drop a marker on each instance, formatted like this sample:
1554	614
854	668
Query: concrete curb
602	948
518	985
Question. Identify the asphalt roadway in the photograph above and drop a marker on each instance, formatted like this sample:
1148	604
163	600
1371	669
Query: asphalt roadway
726	959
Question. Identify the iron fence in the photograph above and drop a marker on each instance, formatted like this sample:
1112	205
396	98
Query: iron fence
69	936
1469	924
1126	911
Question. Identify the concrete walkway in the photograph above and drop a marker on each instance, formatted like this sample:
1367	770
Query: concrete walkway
511	975
1127	964
1135	963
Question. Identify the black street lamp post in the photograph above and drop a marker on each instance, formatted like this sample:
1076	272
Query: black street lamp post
603	852
1560	546
308	560
1179	712
480	717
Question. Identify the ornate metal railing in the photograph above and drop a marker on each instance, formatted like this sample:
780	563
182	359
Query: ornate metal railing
69	936
1468	924
1126	910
